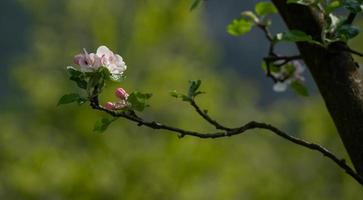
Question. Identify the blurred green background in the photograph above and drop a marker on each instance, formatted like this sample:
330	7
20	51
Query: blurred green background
50	152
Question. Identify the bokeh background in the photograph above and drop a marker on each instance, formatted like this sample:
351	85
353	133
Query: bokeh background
50	152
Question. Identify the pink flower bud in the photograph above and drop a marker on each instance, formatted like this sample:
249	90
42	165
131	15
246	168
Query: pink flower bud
121	93
110	106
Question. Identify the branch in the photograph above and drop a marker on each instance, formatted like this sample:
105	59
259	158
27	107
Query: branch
272	56
207	118
350	18
228	132
284	60
338	46
266	31
352	51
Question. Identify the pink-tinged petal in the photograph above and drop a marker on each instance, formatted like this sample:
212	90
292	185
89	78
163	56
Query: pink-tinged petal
104	61
121	93
85	51
110	106
95	60
119	59
85	65
103	51
78	58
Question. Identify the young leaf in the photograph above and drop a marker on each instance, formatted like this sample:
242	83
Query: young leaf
179	95
293	36
303	2
70	98
239	27
273	67
103	124
333	5
193	88
354	6
299	88
265	8
81	100
346	32
138	100
175	94
77	77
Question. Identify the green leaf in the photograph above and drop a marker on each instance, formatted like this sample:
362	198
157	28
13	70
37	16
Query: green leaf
333	5
239	27
346	32
303	2
97	80
175	94
81	100
103	124
299	88
104	72
273	68
179	95
138	100
193	88
77	76
70	98
354	6
293	36
265	8
289	69
195	4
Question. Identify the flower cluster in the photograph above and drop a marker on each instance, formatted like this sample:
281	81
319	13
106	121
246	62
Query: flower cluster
122	96
287	76
104	57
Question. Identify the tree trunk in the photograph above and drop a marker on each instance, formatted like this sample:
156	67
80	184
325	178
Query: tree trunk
336	76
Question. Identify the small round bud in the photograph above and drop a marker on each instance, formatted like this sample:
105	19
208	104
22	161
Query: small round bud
110	106
121	93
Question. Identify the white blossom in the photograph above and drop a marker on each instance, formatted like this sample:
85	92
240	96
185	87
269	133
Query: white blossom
281	86
113	62
87	62
103	57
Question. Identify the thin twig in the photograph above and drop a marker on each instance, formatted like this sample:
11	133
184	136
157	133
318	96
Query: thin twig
130	115
266	31
207	117
282	60
353	52
339	46
285	58
273	57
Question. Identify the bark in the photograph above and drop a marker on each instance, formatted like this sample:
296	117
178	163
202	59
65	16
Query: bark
336	76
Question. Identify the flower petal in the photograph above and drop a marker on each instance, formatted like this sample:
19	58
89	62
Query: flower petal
279	87
103	51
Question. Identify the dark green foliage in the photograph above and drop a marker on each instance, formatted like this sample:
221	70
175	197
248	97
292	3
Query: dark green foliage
299	88
138	100
102	124
71	98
